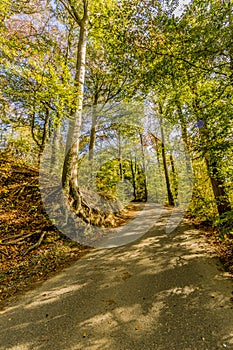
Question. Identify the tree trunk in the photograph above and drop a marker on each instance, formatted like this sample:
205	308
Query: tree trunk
55	148
44	134
174	177
168	185
81	207
220	195
93	134
121	173
70	168
133	179
222	201
157	144
93	127
144	169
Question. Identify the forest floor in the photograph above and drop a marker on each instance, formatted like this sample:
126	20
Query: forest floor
161	291
31	247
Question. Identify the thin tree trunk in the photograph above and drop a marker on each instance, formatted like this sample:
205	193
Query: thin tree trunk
157	143
44	134
133	179
120	157
168	185
55	148
144	169
93	135
93	129
174	177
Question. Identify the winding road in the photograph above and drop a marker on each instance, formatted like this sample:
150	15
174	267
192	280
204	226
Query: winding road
161	291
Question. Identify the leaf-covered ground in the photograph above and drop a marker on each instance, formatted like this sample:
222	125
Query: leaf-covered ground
23	223
224	249
31	248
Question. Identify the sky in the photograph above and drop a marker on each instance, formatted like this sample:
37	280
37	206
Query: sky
178	10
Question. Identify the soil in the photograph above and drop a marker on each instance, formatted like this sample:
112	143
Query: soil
31	247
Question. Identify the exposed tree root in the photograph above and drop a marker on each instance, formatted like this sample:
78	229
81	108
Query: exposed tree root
19	238
4	253
35	246
100	214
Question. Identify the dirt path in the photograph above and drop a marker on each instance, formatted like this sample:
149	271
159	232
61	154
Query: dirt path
163	291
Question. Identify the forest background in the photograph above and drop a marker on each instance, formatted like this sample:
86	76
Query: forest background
117	102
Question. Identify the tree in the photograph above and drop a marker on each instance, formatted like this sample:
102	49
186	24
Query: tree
191	60
34	76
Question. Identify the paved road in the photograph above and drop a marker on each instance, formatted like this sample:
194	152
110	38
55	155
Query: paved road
161	292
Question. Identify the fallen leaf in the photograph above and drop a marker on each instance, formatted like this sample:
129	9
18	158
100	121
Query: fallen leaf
125	276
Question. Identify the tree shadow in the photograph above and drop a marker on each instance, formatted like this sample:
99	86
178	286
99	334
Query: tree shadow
161	292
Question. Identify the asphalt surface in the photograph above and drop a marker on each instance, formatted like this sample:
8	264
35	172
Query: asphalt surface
164	291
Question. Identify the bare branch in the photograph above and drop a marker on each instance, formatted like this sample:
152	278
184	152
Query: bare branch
72	11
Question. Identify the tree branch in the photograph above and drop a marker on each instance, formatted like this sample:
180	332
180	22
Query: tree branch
212	69
71	10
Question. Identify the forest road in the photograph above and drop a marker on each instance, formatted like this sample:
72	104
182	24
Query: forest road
164	291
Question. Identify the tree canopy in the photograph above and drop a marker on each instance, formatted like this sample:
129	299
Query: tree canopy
71	72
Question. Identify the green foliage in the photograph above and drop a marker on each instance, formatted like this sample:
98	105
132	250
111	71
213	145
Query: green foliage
135	49
202	206
110	184
22	147
225	225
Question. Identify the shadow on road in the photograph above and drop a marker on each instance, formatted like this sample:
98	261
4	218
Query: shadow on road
161	292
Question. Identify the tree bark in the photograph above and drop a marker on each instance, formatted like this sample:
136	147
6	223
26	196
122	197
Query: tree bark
221	198
93	128
80	206
133	173
144	169
70	168
93	134
174	177
168	185
44	134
